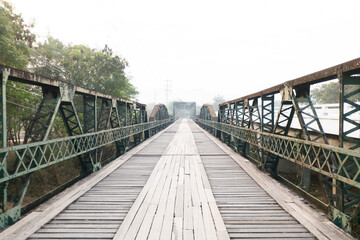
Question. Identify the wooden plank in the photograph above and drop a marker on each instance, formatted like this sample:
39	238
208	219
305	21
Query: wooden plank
127	223
199	230
22	229
178	228
304	214
159	216
188	219
73	236
166	229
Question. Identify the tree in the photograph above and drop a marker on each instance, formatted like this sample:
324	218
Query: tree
85	67
216	101
16	37
329	93
16	40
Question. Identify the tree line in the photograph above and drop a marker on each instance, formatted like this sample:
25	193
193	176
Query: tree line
95	69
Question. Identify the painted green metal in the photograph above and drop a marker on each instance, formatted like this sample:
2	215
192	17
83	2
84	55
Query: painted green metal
267	113
346	113
296	150
159	112
46	153
4	186
57	150
104	120
349	108
338	168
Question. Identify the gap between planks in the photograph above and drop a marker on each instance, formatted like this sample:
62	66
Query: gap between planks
176	201
32	222
318	225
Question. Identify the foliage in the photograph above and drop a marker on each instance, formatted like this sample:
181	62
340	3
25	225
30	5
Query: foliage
216	101
16	40
16	37
21	102
326	93
329	93
82	66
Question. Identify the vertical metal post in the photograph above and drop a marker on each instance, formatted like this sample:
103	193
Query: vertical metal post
3	187
91	163
4	78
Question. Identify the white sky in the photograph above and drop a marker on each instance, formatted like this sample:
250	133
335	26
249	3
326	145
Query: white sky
206	48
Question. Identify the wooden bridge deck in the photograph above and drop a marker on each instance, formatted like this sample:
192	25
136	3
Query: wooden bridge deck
180	184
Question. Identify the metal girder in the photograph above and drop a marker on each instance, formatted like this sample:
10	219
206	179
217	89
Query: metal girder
207	112
38	130
347	68
267	113
308	154
19	162
4	186
159	112
36	80
349	109
339	170
90	161
292	148
57	150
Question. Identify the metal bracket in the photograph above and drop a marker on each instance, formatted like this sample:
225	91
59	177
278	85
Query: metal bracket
113	102
5	75
67	92
246	103
286	92
340	219
10	216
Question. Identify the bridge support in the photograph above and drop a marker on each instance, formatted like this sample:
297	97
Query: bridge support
238	125
66	122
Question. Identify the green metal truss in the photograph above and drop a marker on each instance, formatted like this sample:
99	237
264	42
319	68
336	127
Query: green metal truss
103	120
315	156
338	168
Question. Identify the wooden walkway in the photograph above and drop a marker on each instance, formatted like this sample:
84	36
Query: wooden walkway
181	184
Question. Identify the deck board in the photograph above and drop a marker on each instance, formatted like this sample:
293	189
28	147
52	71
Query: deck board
99	211
184	184
253	205
173	203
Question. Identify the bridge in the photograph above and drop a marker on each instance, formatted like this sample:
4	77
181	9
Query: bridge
242	172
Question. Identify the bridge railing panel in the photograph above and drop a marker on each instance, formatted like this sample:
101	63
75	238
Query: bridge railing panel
61	122
261	127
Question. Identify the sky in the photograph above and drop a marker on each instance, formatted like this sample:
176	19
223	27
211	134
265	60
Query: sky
203	49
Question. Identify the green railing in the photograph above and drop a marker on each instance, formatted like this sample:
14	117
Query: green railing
35	156
317	157
44	122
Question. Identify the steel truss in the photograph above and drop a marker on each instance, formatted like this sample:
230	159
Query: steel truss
159	112
266	138
104	120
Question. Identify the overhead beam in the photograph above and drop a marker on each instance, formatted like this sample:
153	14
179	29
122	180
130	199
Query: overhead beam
33	79
350	67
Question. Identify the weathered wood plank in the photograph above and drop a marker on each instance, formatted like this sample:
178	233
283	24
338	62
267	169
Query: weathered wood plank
222	171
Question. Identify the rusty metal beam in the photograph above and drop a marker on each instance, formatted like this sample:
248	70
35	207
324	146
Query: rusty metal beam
33	79
350	67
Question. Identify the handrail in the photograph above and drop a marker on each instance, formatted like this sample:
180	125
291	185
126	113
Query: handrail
38	155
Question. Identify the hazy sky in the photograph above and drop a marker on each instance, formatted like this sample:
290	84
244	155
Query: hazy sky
206	48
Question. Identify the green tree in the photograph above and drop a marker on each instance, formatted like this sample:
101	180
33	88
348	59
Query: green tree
85	67
16	37
329	93
16	40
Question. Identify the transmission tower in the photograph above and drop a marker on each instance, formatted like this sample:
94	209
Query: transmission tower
168	87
